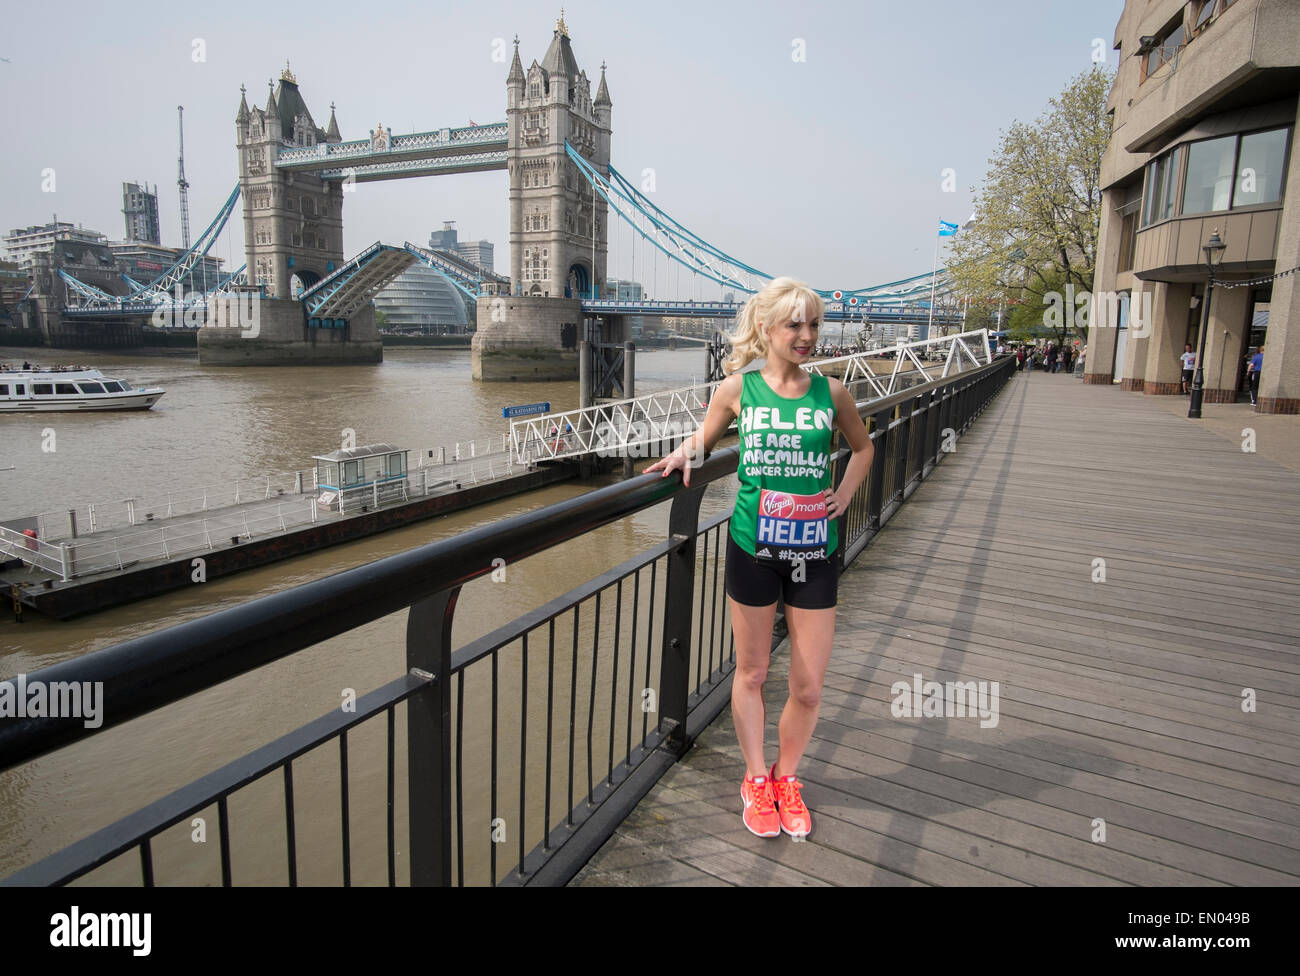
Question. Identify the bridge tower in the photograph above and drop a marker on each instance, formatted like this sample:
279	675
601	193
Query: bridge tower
559	235
293	237
558	239
293	222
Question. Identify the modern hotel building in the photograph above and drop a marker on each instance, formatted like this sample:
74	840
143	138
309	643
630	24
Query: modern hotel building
1203	117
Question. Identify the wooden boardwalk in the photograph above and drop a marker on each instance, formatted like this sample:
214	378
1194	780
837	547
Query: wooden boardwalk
1119	701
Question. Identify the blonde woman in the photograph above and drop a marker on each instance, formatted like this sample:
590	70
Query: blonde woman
782	534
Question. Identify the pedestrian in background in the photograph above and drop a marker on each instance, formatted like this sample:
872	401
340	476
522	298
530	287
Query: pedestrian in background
1188	359
1252	374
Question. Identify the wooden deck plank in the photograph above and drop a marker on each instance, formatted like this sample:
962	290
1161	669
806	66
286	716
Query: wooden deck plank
1119	700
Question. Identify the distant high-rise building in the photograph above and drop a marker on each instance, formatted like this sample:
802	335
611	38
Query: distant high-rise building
481	254
140	208
478	253
23	242
445	239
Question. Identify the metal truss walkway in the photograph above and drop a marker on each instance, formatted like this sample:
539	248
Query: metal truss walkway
641	426
467	149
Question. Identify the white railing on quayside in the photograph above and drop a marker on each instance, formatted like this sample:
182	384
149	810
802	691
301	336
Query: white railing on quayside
464	462
34	552
170	539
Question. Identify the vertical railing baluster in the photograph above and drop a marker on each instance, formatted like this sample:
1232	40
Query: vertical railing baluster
613	680
573	705
591	696
842	520
876	476
223	828
704	575
343	794
649	643
550	740
523	750
428	717
713	595
291	843
460	779
146	863
392	788
492	767
679	588
900	459
631	664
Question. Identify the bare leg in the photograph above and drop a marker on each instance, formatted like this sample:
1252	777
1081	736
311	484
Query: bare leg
752	627
812	633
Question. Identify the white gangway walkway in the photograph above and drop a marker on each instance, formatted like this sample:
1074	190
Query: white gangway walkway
642	425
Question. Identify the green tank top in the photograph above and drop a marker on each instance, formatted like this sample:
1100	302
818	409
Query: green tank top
785	450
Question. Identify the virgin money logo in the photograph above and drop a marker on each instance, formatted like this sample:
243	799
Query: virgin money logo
778	505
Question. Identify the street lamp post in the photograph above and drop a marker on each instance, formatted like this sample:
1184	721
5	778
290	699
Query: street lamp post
1213	249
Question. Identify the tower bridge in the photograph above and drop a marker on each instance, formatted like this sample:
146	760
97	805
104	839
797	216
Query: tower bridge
311	304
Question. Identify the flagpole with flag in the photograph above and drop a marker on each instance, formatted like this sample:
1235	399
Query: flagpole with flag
946	229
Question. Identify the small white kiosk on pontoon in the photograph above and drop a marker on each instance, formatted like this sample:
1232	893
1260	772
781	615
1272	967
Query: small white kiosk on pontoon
364	475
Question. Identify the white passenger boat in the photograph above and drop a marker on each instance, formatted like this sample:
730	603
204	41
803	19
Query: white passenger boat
48	388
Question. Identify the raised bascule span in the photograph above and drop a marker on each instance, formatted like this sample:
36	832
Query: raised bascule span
339	296
468	278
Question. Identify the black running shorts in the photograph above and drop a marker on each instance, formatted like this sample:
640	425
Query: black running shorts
757	584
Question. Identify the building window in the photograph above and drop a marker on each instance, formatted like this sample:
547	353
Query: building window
1127	239
1260	172
534	90
1168	42
1206	12
1209	175
1162	178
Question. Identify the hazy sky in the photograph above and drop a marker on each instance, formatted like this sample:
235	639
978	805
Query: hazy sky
829	169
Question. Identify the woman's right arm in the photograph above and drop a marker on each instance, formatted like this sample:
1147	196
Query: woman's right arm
723	409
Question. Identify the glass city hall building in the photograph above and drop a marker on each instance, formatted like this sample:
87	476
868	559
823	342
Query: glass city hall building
1203	116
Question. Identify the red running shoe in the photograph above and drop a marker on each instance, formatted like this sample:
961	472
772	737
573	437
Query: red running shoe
760	814
793	815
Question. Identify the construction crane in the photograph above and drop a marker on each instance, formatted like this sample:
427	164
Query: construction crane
181	182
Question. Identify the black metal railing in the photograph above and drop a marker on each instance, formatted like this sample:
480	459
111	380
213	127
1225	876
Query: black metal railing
536	739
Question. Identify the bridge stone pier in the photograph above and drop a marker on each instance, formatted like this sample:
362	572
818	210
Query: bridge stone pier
525	338
274	332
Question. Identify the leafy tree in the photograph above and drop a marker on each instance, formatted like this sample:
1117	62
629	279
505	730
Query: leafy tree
1039	210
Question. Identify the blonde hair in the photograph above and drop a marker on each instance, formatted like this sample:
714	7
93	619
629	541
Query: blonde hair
780	301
